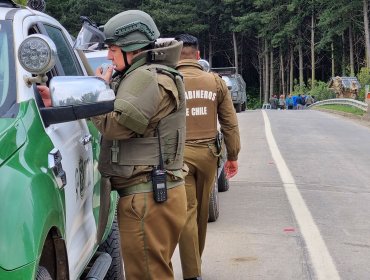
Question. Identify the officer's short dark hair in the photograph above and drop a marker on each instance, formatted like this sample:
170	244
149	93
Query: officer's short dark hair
187	40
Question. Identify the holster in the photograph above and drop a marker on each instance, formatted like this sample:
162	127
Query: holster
105	189
219	146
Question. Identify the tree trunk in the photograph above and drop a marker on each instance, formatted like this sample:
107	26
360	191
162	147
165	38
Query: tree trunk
272	82
313	62
300	58
291	70
210	52
343	56
261	69
351	59
235	53
367	36
332	60
266	80
282	72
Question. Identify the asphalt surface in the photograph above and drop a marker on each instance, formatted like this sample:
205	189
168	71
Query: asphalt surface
299	207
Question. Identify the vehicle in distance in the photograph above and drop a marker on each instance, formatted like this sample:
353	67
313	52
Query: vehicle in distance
236	85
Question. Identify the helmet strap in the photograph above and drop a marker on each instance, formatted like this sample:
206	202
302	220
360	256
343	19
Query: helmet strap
125	59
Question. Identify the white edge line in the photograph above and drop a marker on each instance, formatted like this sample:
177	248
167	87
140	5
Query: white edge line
321	259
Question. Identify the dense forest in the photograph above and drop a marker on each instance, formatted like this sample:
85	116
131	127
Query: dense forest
279	46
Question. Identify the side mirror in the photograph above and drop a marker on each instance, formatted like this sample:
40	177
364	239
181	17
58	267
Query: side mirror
77	97
79	90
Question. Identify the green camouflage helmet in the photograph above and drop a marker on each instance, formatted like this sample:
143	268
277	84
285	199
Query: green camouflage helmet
131	30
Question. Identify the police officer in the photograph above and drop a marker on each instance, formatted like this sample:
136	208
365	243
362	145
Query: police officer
142	143
207	98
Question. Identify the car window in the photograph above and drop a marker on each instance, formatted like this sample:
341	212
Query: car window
234	83
7	75
69	63
95	62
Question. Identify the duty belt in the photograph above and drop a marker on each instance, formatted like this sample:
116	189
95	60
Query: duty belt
145	187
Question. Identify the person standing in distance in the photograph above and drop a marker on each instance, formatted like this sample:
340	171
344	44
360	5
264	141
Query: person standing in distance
207	99
142	143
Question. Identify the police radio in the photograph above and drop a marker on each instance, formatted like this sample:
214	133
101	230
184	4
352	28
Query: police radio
159	177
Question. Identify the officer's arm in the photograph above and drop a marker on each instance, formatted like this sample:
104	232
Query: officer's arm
110	128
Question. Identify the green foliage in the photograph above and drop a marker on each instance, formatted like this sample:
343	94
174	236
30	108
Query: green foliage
253	103
21	2
364	78
68	12
344	108
253	100
177	16
282	24
321	91
299	89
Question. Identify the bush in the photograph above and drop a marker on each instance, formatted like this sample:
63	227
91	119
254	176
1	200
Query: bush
321	91
253	99
253	103
299	89
364	78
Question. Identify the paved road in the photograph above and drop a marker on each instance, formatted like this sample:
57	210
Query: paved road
299	207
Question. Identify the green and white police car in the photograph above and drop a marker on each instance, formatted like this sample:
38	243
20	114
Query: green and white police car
52	223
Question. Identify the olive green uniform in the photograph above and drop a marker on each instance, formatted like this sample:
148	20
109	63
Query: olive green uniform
207	99
148	96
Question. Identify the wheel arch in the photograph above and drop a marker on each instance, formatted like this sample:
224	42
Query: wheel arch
31	208
54	255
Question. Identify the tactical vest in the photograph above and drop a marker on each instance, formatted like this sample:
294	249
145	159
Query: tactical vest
118	157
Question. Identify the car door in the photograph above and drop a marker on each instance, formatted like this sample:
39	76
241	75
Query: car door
72	141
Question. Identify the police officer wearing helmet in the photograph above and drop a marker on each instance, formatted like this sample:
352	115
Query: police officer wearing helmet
142	143
207	99
205	65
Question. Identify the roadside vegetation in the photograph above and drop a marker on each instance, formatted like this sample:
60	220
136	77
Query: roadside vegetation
279	47
343	108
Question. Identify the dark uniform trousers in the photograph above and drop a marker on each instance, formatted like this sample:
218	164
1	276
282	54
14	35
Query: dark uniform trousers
156	227
202	162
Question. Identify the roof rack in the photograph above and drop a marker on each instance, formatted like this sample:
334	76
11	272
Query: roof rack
225	70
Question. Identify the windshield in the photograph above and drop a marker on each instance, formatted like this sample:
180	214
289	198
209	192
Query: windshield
234	83
7	75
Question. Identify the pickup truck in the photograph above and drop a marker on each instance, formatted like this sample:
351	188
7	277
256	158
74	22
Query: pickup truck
53	222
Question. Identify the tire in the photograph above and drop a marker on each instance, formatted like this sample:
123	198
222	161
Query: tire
112	246
244	106
238	107
223	183
43	274
214	209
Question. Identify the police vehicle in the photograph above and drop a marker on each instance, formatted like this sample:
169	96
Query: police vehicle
53	222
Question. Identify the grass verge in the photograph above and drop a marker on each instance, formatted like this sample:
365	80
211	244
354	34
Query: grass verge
344	108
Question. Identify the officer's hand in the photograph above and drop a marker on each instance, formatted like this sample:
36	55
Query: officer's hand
105	72
45	95
231	168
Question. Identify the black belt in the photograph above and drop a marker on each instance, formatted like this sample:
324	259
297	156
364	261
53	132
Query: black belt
144	188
